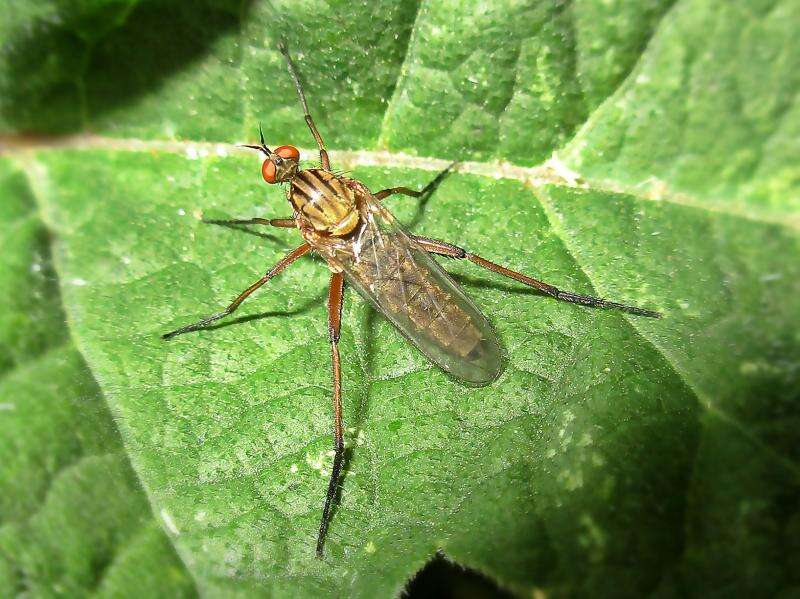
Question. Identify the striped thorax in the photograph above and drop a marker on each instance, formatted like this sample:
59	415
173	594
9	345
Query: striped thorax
323	202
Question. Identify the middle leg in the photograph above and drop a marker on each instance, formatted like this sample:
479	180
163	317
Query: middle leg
385	193
453	251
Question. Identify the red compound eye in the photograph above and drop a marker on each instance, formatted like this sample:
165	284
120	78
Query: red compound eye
268	171
288	152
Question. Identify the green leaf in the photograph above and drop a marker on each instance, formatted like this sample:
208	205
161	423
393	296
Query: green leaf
711	119
31	320
74	519
616	455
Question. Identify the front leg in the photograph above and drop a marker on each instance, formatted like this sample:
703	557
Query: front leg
323	153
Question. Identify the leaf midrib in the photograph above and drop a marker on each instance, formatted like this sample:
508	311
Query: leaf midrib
549	172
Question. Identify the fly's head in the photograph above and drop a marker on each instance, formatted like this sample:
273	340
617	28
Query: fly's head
280	164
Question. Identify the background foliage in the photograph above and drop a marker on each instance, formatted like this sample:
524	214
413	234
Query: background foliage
616	455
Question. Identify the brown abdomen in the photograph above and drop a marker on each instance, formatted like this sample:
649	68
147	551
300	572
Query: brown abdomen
434	313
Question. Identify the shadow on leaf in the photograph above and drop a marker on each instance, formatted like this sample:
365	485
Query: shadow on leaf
69	68
302	309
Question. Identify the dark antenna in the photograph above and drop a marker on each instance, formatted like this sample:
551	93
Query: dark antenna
263	147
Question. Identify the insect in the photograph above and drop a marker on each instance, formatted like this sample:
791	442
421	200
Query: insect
363	245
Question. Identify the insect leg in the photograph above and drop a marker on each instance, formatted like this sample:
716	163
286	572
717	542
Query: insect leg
385	193
447	249
335	298
323	154
274	222
286	261
429	188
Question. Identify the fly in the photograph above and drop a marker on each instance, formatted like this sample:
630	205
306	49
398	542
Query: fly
364	246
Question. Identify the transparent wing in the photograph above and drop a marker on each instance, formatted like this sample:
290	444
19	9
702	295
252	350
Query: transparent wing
413	292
